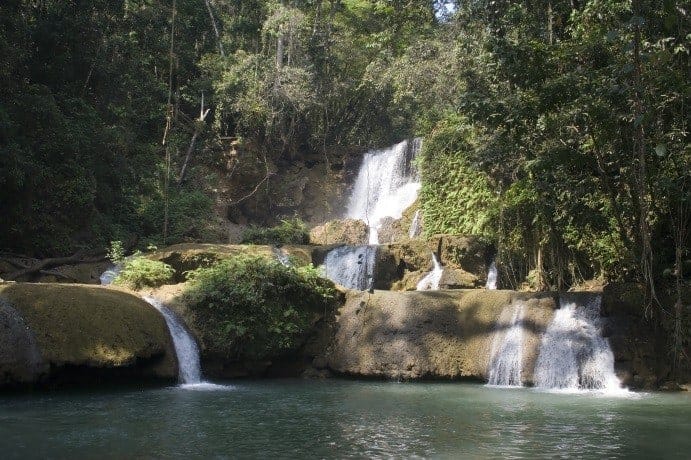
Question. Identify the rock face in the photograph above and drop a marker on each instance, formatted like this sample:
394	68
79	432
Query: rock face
641	351
55	333
344	231
439	334
401	265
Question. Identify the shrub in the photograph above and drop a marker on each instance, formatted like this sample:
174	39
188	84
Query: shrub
140	271
293	231
249	307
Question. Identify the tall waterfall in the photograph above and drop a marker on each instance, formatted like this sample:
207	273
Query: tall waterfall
573	353
386	185
190	371
351	266
431	280
415	225
507	348
492	275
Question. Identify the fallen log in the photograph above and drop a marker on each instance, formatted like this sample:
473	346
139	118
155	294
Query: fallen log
78	258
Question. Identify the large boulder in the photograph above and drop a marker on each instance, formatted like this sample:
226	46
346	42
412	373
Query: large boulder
431	334
53	333
340	231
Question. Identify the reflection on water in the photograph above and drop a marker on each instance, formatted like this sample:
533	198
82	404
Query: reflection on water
343	419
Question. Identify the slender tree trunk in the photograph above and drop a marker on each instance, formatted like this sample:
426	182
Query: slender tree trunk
215	26
550	24
642	175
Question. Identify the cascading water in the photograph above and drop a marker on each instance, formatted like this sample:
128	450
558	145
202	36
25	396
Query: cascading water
351	266
282	257
507	348
415	225
386	185
431	280
108	276
190	371
492	275
573	353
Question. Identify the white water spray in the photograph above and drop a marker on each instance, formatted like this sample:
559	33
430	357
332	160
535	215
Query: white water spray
108	276
282	257
573	354
386	185
351	266
431	280
507	348
190	371
492	275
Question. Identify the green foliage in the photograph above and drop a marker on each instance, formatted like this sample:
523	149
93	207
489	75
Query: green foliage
290	231
456	198
116	252
139	272
188	212
250	307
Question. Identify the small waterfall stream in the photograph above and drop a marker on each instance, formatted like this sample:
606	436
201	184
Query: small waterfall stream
573	354
431	280
386	185
415	225
492	275
190	371
507	348
351	266
108	276
282	256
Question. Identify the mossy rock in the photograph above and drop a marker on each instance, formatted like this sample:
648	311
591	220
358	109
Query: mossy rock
340	231
186	257
77	329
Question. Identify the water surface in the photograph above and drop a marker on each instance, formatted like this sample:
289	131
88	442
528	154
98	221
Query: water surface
342	419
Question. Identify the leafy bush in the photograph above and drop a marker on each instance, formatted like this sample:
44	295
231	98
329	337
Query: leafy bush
293	231
249	307
140	271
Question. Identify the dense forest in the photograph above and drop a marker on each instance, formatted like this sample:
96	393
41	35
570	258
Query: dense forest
556	130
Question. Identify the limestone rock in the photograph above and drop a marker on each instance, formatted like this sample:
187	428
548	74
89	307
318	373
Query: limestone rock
70	332
340	231
455	278
432	334
468	253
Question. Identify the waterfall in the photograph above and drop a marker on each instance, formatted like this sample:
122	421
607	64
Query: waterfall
282	256
431	280
386	185
415	226
108	276
351	266
573	353
507	348
190	371
492	275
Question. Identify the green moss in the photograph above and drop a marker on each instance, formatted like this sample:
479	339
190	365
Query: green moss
292	231
187	257
90	325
